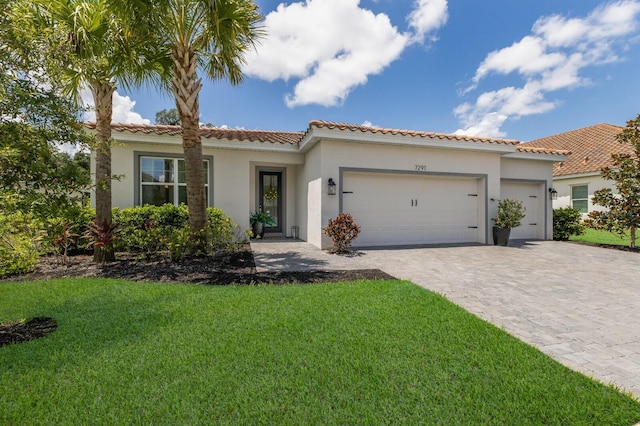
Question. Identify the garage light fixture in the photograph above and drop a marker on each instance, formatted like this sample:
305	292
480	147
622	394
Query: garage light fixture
331	187
553	194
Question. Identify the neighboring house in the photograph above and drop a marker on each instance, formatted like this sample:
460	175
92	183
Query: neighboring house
401	186
579	177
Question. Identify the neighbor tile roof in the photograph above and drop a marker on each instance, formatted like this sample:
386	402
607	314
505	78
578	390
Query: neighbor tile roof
364	129
591	148
212	132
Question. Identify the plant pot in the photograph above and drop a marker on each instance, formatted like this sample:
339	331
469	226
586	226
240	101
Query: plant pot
258	230
501	236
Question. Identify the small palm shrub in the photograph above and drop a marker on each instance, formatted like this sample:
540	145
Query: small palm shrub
342	230
567	222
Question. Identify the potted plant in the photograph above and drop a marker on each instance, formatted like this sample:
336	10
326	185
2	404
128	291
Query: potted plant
258	220
510	213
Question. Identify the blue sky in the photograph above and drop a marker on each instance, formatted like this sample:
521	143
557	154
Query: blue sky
517	69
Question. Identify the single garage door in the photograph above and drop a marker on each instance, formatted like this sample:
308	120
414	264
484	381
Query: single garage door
396	209
532	197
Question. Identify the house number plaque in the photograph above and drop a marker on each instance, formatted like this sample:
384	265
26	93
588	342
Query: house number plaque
421	167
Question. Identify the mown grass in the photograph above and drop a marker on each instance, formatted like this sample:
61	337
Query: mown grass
601	237
377	352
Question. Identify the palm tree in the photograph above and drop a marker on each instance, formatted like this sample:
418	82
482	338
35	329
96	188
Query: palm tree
95	48
193	35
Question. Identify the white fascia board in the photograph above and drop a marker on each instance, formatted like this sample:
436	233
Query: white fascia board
316	135
540	156
577	175
146	138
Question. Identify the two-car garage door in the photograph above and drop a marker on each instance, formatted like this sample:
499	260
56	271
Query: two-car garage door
412	208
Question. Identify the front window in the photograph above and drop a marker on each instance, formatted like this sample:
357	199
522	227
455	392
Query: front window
163	180
580	198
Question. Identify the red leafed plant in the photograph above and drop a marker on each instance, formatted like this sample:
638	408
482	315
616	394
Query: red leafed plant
102	236
342	230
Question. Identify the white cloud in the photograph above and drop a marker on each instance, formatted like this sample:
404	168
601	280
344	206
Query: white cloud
333	46
122	109
549	59
427	17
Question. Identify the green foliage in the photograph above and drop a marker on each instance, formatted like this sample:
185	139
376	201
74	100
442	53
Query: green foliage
510	213
168	117
342	230
261	217
19	243
623	212
149	230
34	120
566	223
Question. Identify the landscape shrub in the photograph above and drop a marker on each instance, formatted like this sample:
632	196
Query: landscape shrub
145	229
567	222
148	230
64	233
342	230
20	243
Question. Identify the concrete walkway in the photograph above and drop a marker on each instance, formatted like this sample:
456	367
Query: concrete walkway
578	304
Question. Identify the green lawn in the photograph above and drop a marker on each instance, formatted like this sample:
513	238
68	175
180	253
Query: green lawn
601	237
377	352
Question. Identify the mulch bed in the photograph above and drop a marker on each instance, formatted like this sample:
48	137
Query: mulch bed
23	331
231	268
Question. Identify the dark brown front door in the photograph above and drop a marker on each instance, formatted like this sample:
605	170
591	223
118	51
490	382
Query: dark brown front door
270	188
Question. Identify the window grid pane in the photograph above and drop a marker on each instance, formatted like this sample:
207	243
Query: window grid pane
580	198
158	181
579	192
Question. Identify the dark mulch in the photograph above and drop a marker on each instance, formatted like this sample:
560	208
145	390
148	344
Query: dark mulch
230	268
22	331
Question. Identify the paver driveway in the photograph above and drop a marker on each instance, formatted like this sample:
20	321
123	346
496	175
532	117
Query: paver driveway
578	304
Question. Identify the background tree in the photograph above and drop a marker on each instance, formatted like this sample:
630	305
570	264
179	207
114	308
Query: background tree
623	212
197	35
168	117
94	48
34	120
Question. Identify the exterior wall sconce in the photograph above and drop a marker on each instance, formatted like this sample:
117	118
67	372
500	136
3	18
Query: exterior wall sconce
553	194
331	187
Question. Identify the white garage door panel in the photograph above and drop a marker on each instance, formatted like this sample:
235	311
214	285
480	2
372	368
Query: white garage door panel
382	205
532	225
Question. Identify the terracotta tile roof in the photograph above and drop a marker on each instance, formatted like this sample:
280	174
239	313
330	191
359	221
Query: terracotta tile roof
212	132
364	129
532	149
591	148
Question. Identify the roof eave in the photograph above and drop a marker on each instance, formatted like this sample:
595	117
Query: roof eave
540	156
315	135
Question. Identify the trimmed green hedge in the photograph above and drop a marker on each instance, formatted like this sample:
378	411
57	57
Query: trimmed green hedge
145	230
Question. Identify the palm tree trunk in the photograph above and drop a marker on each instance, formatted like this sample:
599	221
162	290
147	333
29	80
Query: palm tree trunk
103	98
186	88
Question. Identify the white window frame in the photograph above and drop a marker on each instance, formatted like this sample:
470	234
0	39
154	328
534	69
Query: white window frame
139	156
580	199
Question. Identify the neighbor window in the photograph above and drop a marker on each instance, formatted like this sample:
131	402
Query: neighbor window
580	198
163	180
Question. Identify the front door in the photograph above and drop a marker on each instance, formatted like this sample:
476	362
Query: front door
270	198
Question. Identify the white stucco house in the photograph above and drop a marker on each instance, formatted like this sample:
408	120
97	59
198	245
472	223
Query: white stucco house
576	179
401	186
